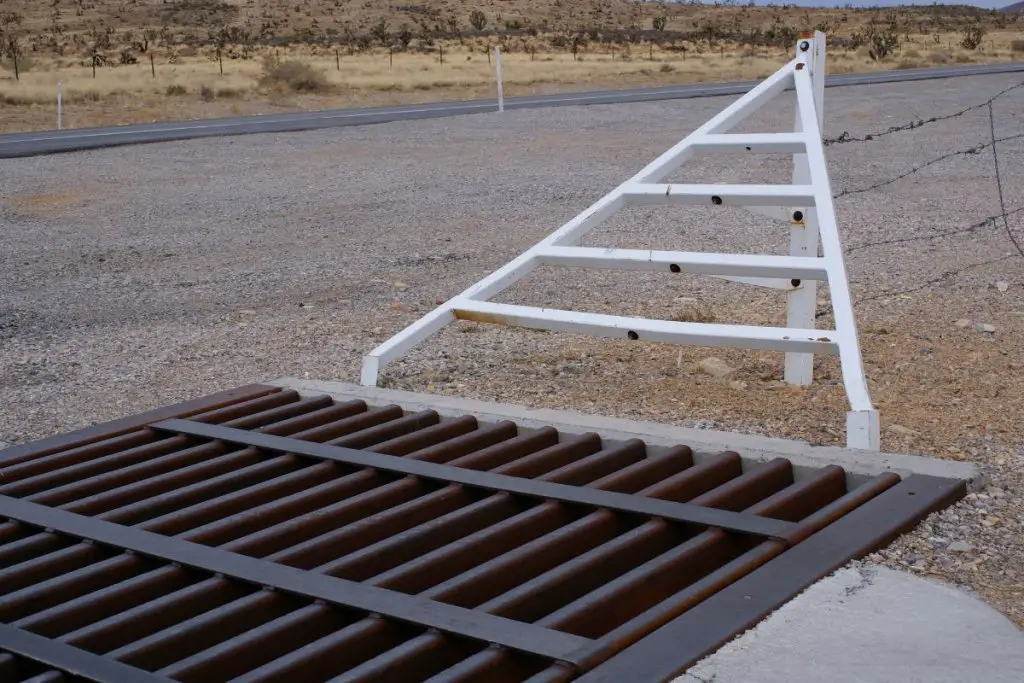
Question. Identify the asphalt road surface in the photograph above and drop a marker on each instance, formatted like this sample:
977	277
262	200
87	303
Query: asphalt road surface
51	142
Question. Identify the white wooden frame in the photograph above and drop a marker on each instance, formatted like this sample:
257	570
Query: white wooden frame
806	205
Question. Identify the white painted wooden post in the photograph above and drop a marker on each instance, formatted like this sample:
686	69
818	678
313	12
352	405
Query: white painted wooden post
60	105
801	303
497	67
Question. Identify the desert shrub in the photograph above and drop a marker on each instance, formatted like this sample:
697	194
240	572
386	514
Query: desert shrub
972	38
882	43
176	89
293	74
939	57
907	64
666	68
206	94
1017	45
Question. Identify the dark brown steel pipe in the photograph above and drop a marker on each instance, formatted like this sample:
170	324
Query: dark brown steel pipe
525	599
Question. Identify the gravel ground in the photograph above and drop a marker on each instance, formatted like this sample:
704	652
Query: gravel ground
135	277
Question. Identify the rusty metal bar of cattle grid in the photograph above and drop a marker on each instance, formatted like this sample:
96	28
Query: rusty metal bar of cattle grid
672	649
71	660
415	610
678	512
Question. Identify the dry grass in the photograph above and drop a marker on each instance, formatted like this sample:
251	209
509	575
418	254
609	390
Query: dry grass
336	51
194	87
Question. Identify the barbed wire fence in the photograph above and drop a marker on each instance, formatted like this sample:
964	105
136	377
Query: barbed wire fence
995	221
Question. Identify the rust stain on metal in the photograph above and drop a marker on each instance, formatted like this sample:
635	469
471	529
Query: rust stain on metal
440	579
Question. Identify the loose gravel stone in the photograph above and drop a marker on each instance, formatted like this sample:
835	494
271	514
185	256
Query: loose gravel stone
134	277
716	367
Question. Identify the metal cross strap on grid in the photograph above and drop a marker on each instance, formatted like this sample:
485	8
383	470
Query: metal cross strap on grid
805	204
263	535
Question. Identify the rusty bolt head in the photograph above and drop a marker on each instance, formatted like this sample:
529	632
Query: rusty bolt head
716	200
798	216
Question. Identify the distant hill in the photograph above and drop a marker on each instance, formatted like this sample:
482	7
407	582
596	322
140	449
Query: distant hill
1015	7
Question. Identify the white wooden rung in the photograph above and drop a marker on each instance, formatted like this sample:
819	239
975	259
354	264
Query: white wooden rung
719	195
750	265
755	143
644	329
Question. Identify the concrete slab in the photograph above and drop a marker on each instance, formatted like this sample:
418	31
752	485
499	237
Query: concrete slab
758	448
871	624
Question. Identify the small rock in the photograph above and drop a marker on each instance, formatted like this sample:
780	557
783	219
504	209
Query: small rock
736	384
984	327
402	308
960	547
1002	286
401	286
901	430
962	323
686	301
716	367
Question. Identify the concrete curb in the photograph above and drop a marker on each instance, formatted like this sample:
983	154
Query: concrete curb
757	448
868	622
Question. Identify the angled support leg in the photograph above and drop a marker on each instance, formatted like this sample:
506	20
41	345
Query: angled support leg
862	421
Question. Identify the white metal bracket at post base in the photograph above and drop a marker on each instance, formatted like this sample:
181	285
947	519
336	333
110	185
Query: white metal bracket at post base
806	204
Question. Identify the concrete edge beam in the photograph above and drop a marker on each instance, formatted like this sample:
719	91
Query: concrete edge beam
757	448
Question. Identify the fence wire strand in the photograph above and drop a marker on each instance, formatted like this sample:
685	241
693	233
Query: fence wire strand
845	136
999	180
995	221
976	149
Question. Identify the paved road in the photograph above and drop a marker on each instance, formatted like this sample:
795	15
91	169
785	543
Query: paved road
51	142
